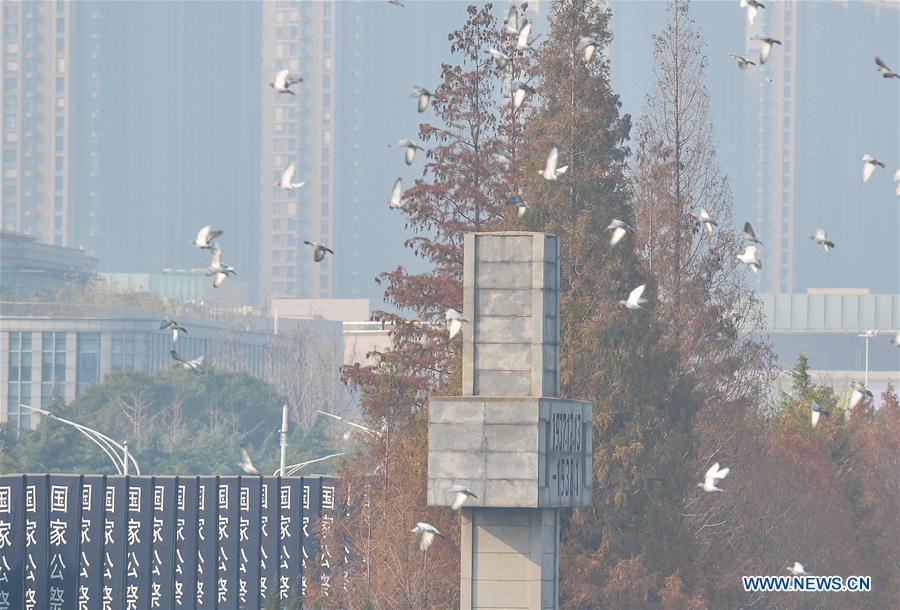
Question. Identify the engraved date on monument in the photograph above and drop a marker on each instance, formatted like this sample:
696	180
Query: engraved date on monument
565	460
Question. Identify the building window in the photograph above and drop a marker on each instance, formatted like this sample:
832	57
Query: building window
129	351
19	382
87	363
53	366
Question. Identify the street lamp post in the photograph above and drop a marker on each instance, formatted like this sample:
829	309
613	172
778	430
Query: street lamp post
867	335
111	448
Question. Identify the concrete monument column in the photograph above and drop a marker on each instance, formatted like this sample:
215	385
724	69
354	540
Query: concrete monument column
509	438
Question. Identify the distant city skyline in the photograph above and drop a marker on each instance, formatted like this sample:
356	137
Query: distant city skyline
161	121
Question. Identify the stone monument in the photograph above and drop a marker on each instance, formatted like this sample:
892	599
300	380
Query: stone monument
509	438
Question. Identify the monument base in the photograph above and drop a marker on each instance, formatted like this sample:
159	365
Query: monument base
509	558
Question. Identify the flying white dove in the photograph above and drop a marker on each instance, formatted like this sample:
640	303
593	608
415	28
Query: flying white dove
706	220
511	24
284	80
319	250
751	6
896	340
411	147
897	180
550	171
749	235
635	298
748	257
286	183
587	46
815	410
821	238
525	39
218	269
396	3
742	62
766	47
176	328
859	392
871	163
428	532
501	58
205	237
713	476
246	464
191	365
423	95
454	321
884	70
396	195
461	494
519	202
519	91
797	569
619	229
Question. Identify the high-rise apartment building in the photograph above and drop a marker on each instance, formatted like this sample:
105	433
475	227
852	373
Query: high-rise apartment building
36	118
776	82
297	36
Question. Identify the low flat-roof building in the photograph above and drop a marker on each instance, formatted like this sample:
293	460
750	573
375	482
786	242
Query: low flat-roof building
29	268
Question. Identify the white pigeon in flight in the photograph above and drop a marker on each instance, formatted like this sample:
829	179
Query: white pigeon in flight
635	298
286	183
176	328
587	46
502	160
427	532
897	180
742	62
454	321
396	200
797	569
749	258
859	392
896	340
816	410
283	82
871	163
713	476
205	237
511	23
619	229
423	95
821	238
750	235
884	70
751	6
319	250
191	365
551	171
706	220
246	464
501	58
411	147
766	48
461	494
519	202
218	269
525	39
519	91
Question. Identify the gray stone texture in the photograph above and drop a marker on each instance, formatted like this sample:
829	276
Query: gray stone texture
522	450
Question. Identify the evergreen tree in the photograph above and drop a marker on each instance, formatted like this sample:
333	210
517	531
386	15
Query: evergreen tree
619	552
